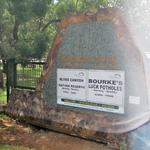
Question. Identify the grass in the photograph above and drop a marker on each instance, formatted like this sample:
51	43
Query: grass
9	147
10	129
27	83
3	96
3	116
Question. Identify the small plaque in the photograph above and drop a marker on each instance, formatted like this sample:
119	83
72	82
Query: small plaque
134	100
101	90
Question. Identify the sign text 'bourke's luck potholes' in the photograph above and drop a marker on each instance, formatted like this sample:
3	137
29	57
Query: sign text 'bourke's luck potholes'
92	89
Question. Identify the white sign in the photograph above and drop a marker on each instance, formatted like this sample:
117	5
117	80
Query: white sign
92	89
71	84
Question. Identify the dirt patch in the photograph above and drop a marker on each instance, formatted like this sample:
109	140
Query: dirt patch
15	133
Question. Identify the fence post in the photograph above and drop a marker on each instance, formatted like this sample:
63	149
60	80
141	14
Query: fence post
7	81
1	79
11	76
15	74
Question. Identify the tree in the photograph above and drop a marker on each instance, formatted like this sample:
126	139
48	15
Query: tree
22	27
23	31
27	27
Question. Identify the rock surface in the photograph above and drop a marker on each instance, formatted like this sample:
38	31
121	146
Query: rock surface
29	106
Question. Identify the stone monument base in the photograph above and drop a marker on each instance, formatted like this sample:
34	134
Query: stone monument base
29	106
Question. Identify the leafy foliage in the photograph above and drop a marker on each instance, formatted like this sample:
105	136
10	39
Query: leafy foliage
27	27
20	9
40	44
39	8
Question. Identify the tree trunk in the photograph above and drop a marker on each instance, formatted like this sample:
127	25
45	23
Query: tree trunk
1	79
15	30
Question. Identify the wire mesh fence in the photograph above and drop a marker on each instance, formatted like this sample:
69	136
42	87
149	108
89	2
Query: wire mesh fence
3	93
17	75
27	76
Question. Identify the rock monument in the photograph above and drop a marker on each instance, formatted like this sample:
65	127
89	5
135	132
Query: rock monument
94	84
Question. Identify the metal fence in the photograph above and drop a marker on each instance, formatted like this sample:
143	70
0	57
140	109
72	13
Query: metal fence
27	76
17	75
1	74
3	93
